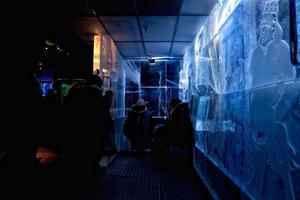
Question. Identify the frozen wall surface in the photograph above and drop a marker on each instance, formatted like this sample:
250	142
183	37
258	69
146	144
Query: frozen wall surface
245	97
113	74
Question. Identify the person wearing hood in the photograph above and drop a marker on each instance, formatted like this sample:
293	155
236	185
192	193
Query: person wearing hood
177	131
138	126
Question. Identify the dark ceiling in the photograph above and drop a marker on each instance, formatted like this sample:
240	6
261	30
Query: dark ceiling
139	28
139	7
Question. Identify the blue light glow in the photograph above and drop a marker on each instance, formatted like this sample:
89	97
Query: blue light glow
245	99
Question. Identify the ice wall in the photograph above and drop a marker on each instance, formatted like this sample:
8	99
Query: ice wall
245	98
113	74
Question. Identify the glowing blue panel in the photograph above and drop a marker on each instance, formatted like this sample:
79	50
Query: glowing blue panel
245	98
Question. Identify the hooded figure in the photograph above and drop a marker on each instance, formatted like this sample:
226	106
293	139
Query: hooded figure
179	125
138	126
177	131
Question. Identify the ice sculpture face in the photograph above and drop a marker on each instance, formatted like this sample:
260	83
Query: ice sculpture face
267	28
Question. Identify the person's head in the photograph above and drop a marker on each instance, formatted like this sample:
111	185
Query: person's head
173	104
140	106
95	81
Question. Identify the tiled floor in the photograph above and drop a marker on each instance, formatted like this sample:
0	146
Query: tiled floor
134	177
129	177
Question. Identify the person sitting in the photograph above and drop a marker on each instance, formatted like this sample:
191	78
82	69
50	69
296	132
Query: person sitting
138	126
177	131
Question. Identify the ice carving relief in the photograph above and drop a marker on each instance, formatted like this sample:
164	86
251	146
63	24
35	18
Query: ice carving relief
236	80
249	123
270	61
270	99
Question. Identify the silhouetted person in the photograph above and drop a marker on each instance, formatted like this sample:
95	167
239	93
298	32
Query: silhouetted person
21	104
138	126
20	107
86	126
177	131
